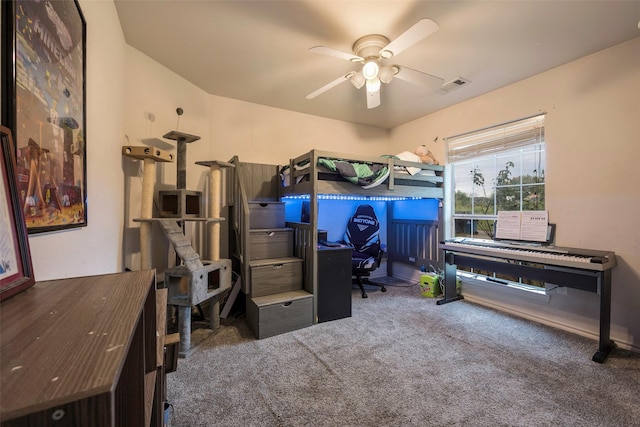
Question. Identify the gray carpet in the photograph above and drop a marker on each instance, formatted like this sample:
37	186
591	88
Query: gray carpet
402	360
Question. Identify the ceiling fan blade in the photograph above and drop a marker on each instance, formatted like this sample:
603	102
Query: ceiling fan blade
373	99
336	53
418	31
419	78
330	85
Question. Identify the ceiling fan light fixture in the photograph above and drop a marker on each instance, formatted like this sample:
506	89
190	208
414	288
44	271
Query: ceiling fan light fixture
357	80
387	72
371	51
373	85
385	54
370	70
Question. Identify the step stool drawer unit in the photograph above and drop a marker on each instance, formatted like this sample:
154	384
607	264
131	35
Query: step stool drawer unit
271	243
266	215
274	276
276	314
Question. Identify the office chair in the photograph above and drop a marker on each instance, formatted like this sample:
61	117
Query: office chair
363	235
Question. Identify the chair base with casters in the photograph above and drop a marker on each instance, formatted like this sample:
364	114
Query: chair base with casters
362	279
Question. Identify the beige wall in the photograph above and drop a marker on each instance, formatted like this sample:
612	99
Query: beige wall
227	127
97	248
592	191
259	134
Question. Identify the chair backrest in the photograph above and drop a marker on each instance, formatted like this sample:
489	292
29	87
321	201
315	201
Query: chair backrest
363	231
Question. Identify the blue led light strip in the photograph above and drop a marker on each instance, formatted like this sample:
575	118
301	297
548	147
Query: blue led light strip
350	197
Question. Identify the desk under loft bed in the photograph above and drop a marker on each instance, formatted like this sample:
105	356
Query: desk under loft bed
409	241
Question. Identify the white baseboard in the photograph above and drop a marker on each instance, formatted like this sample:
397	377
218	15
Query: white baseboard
562	326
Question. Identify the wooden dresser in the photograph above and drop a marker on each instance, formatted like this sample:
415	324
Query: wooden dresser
84	351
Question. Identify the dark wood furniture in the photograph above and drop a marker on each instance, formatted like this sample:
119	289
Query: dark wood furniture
83	352
334	283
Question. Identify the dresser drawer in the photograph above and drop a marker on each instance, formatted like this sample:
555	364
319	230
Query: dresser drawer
271	243
274	276
266	215
276	314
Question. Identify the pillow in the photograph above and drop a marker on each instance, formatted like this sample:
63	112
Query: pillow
410	157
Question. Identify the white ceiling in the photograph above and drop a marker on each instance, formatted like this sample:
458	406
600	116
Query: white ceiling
258	51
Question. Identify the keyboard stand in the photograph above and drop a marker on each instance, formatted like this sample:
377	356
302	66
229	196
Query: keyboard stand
450	279
584	279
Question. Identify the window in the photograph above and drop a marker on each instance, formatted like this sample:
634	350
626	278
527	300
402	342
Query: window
501	168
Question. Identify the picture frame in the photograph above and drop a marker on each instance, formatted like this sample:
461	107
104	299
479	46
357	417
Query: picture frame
16	269
44	103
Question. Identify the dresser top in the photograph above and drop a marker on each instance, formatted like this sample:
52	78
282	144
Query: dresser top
65	340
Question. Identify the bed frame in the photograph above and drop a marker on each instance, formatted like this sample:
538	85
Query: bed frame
410	242
317	179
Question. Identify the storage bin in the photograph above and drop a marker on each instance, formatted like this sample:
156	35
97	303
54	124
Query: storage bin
271	243
279	313
266	215
273	276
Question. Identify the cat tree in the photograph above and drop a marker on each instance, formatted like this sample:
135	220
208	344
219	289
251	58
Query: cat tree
192	281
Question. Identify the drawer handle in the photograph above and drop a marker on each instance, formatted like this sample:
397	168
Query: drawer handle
276	266
58	414
287	304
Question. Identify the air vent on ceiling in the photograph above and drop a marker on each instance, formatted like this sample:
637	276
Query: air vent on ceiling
454	84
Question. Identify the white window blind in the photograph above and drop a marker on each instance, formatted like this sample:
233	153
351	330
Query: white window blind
497	138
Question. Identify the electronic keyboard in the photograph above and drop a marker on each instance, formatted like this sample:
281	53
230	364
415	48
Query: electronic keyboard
535	253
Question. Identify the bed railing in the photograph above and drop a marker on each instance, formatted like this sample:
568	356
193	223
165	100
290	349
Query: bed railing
316	178
413	242
303	248
239	222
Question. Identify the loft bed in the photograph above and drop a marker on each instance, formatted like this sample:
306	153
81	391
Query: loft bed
311	173
412	242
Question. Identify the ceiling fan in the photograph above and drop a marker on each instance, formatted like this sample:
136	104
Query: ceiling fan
374	52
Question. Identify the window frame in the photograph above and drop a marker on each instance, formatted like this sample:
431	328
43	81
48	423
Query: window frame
522	137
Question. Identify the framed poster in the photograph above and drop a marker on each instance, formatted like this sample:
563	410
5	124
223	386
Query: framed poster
44	103
16	271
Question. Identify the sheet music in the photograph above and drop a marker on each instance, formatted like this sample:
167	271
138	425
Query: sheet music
508	225
534	226
526	225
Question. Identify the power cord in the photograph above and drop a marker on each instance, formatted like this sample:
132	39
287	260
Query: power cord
393	285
